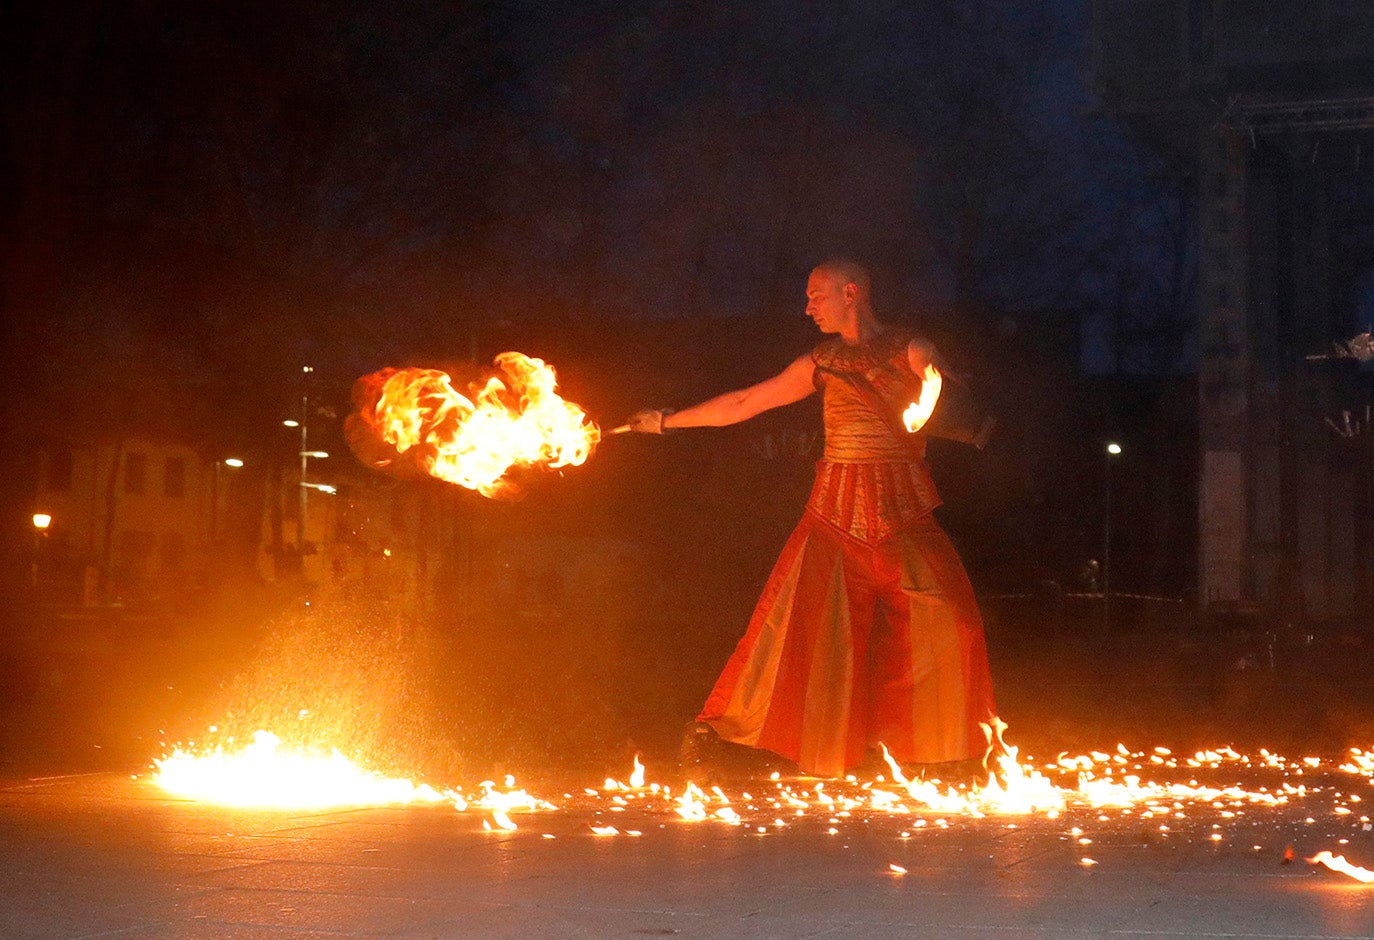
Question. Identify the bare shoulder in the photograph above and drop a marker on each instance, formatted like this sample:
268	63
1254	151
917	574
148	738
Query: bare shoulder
920	352
800	369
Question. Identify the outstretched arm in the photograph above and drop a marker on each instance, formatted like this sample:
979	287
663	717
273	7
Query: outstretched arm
791	384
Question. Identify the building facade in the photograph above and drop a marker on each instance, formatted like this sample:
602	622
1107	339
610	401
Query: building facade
128	519
1267	111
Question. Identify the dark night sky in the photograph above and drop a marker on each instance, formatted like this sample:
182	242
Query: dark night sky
226	185
208	196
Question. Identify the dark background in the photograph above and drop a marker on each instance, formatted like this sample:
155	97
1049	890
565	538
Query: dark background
196	200
213	196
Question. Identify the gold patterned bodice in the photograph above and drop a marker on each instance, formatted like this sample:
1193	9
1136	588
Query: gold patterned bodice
855	432
872	480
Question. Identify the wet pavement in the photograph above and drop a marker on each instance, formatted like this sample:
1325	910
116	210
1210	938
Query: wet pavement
111	855
107	853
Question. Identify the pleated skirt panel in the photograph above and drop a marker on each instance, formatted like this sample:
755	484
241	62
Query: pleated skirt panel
853	644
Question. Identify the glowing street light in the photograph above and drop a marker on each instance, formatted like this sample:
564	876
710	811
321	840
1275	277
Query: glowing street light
290	423
41	521
317	454
1113	450
217	494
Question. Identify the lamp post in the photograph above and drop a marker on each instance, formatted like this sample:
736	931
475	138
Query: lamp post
1113	450
41	522
216	496
305	487
305	454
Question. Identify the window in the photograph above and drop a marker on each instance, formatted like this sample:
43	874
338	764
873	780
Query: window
135	473
58	478
174	477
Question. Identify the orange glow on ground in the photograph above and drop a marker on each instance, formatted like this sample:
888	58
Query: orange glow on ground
263	775
1185	798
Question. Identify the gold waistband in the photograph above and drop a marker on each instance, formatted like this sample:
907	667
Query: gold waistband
872	501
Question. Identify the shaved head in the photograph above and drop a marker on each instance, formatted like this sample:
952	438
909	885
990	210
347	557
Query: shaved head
847	271
837	297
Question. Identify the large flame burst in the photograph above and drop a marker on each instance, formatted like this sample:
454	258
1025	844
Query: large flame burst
515	418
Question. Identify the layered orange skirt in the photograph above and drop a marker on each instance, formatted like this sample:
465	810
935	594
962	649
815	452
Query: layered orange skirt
862	636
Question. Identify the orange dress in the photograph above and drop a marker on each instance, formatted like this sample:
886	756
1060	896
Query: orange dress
868	631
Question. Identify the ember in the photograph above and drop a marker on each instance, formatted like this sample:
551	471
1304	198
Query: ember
515	418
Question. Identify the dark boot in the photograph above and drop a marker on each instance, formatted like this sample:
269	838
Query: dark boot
699	746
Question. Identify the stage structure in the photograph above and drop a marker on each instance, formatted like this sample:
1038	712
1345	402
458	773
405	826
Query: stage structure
1267	110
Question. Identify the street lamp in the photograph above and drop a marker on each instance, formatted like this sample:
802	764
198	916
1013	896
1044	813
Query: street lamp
306	485
41	522
305	454
233	463
1113	450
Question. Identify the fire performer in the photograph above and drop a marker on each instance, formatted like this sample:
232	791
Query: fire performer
868	630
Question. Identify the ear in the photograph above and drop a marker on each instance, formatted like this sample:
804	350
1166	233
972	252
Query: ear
851	292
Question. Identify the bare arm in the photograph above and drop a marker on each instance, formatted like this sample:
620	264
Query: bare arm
791	384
